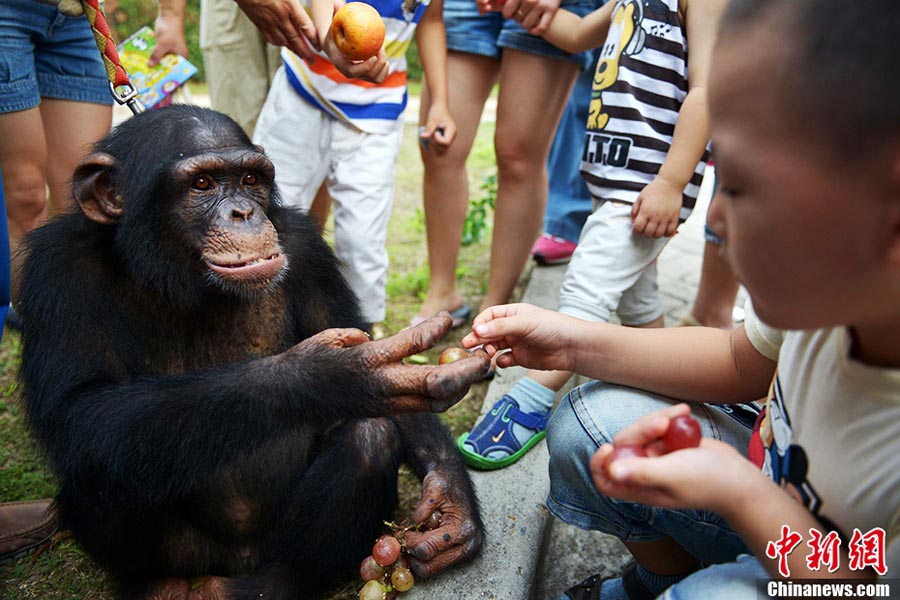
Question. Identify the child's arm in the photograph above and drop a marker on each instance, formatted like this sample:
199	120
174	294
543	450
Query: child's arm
169	29
712	477
374	69
565	30
576	34
699	364
431	38
657	209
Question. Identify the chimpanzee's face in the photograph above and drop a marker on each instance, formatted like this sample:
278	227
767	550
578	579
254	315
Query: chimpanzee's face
225	195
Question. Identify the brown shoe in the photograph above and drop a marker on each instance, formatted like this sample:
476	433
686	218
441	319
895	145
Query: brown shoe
26	526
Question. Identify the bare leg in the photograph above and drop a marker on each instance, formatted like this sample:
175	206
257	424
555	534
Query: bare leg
717	290
70	128
40	147
533	93
446	184
23	156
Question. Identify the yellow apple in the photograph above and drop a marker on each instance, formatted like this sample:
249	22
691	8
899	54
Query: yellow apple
357	31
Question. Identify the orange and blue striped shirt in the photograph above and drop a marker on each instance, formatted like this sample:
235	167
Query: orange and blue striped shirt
373	108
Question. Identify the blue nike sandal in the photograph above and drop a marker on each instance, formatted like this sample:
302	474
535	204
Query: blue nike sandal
495	432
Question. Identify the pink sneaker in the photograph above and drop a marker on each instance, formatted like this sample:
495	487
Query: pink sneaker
552	250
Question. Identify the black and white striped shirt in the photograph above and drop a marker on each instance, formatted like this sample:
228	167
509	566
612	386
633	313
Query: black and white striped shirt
639	86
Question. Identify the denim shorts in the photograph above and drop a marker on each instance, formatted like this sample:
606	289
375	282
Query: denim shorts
468	31
589	416
45	54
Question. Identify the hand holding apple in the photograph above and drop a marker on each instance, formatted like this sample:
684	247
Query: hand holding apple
358	31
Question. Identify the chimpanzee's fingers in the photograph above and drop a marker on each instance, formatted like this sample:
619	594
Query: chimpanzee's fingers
428	563
441	383
412	340
336	338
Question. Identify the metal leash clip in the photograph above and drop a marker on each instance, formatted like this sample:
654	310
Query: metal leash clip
128	97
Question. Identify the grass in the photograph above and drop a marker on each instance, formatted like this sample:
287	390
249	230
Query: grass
65	572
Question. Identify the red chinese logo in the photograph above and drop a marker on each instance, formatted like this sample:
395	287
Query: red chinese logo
867	550
824	550
782	548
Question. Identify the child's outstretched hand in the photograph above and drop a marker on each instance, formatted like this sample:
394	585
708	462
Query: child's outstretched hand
707	477
537	338
656	212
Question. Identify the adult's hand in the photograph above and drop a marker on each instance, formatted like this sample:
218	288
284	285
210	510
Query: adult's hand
169	38
283	23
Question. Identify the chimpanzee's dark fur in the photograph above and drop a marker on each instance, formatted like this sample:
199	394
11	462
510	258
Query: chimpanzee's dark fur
187	435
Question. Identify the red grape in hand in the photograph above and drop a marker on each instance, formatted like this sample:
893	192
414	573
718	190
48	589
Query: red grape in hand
683	432
626	451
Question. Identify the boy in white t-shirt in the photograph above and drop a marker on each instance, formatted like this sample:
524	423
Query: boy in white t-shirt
339	121
806	128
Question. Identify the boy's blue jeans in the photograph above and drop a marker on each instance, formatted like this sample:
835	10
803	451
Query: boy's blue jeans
591	415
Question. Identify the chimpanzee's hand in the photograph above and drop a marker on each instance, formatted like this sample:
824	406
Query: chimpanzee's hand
459	535
406	388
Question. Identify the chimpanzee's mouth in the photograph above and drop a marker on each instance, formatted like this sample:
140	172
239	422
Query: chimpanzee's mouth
254	269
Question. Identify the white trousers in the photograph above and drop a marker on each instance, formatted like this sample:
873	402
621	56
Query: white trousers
308	146
613	269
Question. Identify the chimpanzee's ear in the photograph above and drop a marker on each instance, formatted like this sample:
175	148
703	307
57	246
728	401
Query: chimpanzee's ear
93	190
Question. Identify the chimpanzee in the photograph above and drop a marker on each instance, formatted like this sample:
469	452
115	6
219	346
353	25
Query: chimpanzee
201	417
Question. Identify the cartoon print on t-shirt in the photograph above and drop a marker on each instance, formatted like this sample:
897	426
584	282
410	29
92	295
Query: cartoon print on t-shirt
785	462
626	36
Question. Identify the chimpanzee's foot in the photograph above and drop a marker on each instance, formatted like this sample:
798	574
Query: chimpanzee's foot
199	588
209	588
165	589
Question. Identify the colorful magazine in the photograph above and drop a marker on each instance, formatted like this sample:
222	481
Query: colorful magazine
153	84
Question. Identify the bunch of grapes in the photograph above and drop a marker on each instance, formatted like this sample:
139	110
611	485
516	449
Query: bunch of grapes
386	571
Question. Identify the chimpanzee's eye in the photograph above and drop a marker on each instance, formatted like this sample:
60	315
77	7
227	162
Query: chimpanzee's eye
202	182
249	179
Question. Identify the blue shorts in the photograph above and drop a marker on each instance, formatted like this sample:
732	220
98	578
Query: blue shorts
44	54
469	31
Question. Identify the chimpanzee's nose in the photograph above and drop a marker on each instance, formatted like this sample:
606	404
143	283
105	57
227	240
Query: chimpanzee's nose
241	212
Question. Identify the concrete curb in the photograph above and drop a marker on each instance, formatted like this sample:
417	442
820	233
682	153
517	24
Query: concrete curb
516	520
